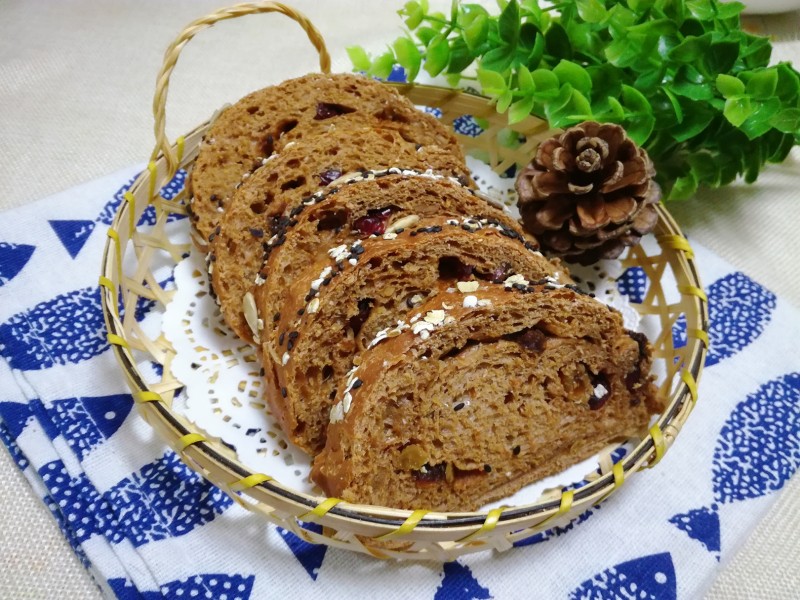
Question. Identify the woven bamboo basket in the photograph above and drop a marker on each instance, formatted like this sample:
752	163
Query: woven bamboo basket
380	531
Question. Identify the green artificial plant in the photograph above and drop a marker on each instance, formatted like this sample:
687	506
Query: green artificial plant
681	76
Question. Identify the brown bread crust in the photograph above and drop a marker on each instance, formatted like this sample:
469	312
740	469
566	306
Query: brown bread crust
261	205
329	222
265	121
496	397
363	289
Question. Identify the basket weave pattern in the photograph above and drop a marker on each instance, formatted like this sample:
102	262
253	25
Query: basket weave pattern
132	253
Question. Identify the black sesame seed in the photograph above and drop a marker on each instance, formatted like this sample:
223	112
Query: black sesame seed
252	431
290	345
212	257
256	232
487	468
516	450
358	250
357	384
327	281
211	236
399	231
458	406
276	317
284	391
301	311
293	335
194	365
281	337
261	372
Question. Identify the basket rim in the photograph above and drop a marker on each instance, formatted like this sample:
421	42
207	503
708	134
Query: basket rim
682	393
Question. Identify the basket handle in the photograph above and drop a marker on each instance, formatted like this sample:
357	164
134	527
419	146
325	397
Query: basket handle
173	51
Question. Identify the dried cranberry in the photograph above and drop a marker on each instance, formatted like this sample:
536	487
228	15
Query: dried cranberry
370	225
326	110
329	176
374	223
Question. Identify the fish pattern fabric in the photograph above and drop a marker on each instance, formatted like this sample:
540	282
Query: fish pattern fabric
147	527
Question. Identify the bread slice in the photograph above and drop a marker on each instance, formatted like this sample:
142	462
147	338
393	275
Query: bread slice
264	122
261	205
362	288
369	203
483	393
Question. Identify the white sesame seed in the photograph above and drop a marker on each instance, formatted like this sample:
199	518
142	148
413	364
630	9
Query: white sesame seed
313	306
467	286
470	301
285	358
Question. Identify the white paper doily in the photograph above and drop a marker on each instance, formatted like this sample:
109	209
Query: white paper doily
222	379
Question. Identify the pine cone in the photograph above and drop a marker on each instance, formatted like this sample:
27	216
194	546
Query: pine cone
589	193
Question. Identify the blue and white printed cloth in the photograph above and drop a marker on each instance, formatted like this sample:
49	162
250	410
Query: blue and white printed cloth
147	527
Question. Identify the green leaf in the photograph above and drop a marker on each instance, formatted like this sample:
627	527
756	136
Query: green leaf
624	52
534	58
788	88
696	119
520	110
657	27
408	56
704	165
508	24
437	56
476	31
649	80
729	85
615	109
498	59
426	35
701	9
544	80
460	56
358	56
525	80
620	19
576	108
756	52
557	42
635	100
721	56
690	49
676	105
727	10
574	74
382	66
758	123
737	109
763	84
640	6
591	11
504	101
413	12
684	187
492	82
787	120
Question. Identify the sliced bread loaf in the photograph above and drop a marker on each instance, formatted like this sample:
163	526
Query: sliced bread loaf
362	288
264	122
364	205
261	206
481	393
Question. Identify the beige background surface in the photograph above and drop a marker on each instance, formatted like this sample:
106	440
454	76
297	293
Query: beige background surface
76	82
